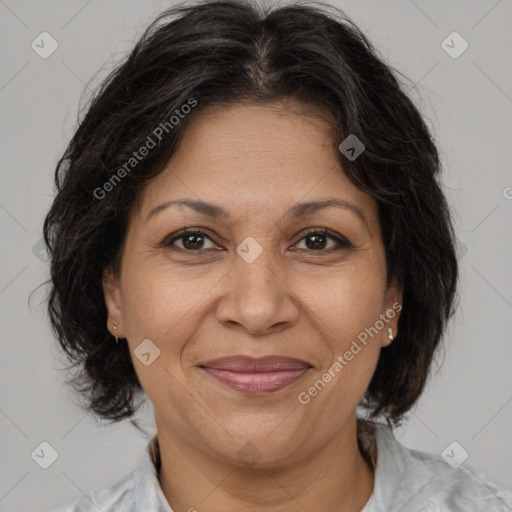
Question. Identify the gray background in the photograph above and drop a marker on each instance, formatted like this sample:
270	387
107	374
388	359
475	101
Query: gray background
468	101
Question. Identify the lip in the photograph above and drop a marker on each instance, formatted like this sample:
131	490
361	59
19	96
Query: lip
256	383
256	375
247	364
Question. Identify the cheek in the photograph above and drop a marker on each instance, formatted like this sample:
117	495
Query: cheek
346	309
347	302
348	363
351	351
157	299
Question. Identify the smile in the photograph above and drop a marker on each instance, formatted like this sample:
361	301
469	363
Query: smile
256	383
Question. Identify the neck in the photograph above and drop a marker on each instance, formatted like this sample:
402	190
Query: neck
336	477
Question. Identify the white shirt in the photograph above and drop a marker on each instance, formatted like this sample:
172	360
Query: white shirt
406	480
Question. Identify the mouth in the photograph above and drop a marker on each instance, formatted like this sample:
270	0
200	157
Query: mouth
256	375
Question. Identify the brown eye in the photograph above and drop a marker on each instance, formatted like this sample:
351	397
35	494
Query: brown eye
318	241
192	240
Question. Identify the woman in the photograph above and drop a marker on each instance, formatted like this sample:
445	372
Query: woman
249	231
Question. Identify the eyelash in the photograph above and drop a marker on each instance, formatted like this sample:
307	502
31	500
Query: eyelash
341	243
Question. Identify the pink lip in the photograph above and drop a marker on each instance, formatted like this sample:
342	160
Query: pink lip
256	376
245	364
256	383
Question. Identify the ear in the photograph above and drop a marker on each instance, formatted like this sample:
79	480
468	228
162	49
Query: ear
391	310
112	296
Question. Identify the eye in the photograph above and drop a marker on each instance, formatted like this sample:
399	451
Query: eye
192	240
317	239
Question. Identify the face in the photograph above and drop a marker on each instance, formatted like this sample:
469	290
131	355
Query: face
264	277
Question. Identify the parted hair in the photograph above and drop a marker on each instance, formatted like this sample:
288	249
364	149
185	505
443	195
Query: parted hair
223	53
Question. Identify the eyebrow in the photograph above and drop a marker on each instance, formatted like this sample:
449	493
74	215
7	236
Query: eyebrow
296	212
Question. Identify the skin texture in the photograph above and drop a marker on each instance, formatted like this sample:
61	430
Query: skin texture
296	299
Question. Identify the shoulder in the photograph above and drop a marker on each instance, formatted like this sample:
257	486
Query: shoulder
120	496
137	490
419	481
441	487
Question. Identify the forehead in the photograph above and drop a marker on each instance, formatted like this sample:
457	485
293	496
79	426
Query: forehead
255	158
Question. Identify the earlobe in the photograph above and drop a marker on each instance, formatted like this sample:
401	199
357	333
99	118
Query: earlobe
394	294
393	300
388	335
392	308
112	297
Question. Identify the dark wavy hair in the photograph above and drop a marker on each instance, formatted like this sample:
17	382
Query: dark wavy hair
228	52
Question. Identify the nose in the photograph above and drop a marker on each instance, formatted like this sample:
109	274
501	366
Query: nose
257	298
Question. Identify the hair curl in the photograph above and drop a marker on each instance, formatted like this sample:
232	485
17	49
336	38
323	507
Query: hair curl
226	52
